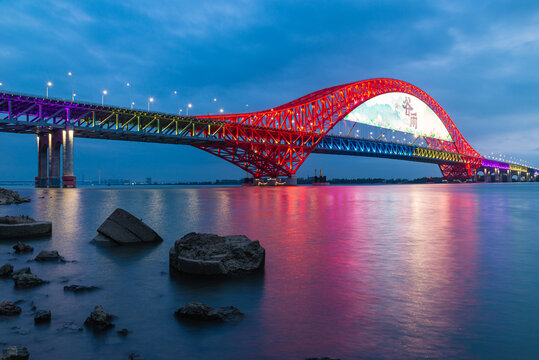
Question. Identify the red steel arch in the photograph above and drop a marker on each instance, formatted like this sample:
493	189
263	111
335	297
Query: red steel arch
275	142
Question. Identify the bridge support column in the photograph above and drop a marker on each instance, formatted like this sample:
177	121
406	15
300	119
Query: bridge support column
68	179
497	175
475	176
55	142
487	175
42	178
292	180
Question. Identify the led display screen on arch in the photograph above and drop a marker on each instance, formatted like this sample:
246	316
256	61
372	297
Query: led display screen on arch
400	112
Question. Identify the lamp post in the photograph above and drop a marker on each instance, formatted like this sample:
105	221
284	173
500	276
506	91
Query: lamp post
128	84
221	111
188	107
150	100
105	92
215	102
70	74
49	84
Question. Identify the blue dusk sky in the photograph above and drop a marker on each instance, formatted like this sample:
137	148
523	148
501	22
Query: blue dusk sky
478	59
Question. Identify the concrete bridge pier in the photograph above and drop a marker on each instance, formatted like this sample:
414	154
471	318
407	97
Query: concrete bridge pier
497	175
68	179
292	180
487	175
42	177
51	171
55	144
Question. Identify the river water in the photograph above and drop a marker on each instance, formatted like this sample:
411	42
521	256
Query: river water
357	272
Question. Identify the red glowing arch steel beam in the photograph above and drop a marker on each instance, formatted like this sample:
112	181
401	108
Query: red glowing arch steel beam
268	133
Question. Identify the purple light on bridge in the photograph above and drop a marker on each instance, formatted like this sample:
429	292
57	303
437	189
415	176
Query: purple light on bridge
494	164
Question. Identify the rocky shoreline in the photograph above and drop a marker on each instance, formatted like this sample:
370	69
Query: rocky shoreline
194	254
8	197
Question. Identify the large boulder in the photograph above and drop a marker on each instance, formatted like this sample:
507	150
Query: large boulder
23	227
122	228
202	312
209	254
8	197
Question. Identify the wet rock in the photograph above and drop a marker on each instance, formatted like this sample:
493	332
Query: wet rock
24	270
23	227
28	280
8	197
69	327
123	332
80	288
202	312
209	254
15	352
49	255
6	270
7	308
122	228
21	248
99	319
42	316
134	356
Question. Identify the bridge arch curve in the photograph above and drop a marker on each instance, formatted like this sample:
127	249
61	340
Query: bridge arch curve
275	142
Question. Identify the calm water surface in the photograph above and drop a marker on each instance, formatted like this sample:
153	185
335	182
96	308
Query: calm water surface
357	272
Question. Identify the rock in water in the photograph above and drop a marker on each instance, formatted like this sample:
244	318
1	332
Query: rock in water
22	248
8	197
202	312
27	280
209	254
15	352
122	228
80	288
6	270
23	227
8	308
42	316
24	270
49	255
99	319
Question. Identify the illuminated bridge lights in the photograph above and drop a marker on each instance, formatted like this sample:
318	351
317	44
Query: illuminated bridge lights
518	167
274	142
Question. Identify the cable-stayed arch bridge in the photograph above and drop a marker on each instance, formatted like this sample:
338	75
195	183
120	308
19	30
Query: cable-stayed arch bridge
383	118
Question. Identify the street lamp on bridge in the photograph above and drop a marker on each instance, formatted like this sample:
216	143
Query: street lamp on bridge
188	107
105	92
49	84
132	104
70	74
150	100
